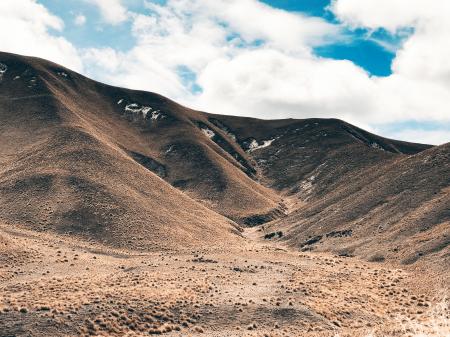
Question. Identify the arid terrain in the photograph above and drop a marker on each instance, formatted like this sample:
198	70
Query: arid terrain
56	286
123	213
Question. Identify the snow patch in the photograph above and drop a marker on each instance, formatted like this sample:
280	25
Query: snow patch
32	83
16	78
208	132
3	69
231	135
170	149
133	107
63	74
254	145
157	115
120	101
306	187
143	110
376	146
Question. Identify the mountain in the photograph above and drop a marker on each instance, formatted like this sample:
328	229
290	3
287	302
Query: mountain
73	161
123	213
397	210
135	169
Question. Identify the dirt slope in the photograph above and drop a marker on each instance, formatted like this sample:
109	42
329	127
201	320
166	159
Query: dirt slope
396	210
135	169
123	213
63	171
65	287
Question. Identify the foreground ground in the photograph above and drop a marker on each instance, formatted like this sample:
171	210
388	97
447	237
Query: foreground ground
56	286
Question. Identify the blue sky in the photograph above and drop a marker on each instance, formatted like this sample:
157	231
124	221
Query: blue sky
360	47
380	64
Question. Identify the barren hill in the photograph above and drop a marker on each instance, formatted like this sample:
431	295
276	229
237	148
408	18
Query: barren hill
133	168
123	213
73	162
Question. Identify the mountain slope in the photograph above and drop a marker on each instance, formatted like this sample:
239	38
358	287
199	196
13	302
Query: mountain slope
60	171
397	210
134	169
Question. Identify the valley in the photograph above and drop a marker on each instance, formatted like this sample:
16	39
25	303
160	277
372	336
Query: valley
63	287
123	213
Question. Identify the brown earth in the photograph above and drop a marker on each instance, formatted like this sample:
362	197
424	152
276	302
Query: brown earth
59	286
125	213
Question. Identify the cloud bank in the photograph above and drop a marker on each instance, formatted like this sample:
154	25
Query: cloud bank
242	57
27	27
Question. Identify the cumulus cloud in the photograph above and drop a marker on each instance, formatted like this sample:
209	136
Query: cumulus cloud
196	33
255	60
112	11
251	59
25	29
134	70
389	14
420	84
270	84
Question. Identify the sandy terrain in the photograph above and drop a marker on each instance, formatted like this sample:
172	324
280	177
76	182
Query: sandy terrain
57	286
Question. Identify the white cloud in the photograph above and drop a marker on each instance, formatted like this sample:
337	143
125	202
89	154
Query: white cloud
420	84
135	70
195	33
389	14
80	20
424	55
24	29
251	59
270	84
112	11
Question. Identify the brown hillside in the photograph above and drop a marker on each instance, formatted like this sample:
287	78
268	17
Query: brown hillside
65	169
134	168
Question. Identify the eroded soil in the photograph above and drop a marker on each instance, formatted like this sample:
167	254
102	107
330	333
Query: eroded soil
57	286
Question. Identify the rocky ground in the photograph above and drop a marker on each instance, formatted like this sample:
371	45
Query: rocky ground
57	286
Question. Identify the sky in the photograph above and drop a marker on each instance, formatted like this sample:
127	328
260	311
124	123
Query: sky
379	64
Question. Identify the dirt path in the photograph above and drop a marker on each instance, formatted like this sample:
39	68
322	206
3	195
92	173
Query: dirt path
54	286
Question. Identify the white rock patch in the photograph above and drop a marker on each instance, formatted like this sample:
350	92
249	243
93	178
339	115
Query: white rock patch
376	146
157	115
133	107
208	132
254	145
3	69
143	110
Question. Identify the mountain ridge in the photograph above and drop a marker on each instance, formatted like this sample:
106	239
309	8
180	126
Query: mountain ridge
126	152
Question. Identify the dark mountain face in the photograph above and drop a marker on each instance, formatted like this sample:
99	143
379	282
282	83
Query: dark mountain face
133	167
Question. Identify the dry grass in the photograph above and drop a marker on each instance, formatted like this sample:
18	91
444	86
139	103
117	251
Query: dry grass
73	288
